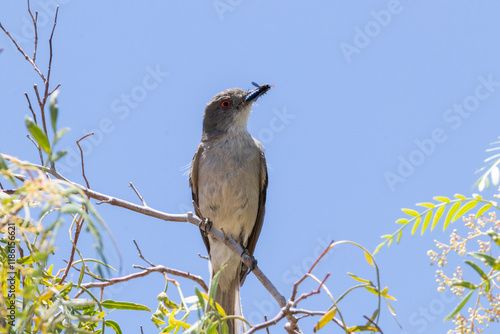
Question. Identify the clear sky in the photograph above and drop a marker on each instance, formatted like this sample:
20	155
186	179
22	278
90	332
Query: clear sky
377	105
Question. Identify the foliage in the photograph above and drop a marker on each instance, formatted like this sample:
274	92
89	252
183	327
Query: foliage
484	229
37	297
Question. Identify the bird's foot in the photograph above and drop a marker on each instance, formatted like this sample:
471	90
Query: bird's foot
207	225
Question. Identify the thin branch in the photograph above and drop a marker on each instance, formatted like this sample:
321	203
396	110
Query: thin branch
296	284
34	20
267	323
31	109
52	92
189	217
140	254
373	323
314	292
137	193
23	53
175	272
81	155
37	147
79	225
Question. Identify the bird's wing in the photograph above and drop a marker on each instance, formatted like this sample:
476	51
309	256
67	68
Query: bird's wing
252	240
193	184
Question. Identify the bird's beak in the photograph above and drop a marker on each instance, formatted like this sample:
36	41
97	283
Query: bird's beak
254	94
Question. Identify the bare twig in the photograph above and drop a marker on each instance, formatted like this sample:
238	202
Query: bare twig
296	284
34	20
203	256
137	193
79	224
140	254
373	323
37	147
189	217
314	292
31	109
175	272
81	155
23	53
52	92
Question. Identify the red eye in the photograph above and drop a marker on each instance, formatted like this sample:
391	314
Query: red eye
225	104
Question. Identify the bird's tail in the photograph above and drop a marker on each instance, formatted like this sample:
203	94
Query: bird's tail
229	300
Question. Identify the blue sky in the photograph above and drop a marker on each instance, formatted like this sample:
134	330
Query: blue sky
377	105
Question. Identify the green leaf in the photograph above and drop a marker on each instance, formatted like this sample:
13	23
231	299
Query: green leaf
442	199
369	259
59	134
363	329
481	273
486	259
25	260
72	208
402	221
438	215
114	325
464	209
58	155
450	214
359	279
82	274
459	306
111	305
427	219
494	236
483	209
411	212
37	134
54	109
459	196
467	285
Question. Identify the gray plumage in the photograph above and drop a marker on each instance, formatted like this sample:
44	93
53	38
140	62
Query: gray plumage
228	179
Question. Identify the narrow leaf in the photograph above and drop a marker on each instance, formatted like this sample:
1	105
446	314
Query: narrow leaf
111	305
59	134
114	325
451	213
359	279
411	212
325	319
427	219
459	306
486	259
464	209
415	225
442	199
37	134
459	196
495	175
438	215
54	109
58	155
481	273
369	259
467	285
427	205
483	209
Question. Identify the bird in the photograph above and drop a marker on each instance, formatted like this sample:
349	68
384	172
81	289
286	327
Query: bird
228	180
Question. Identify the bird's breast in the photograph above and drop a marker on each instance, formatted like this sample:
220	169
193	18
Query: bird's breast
229	184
